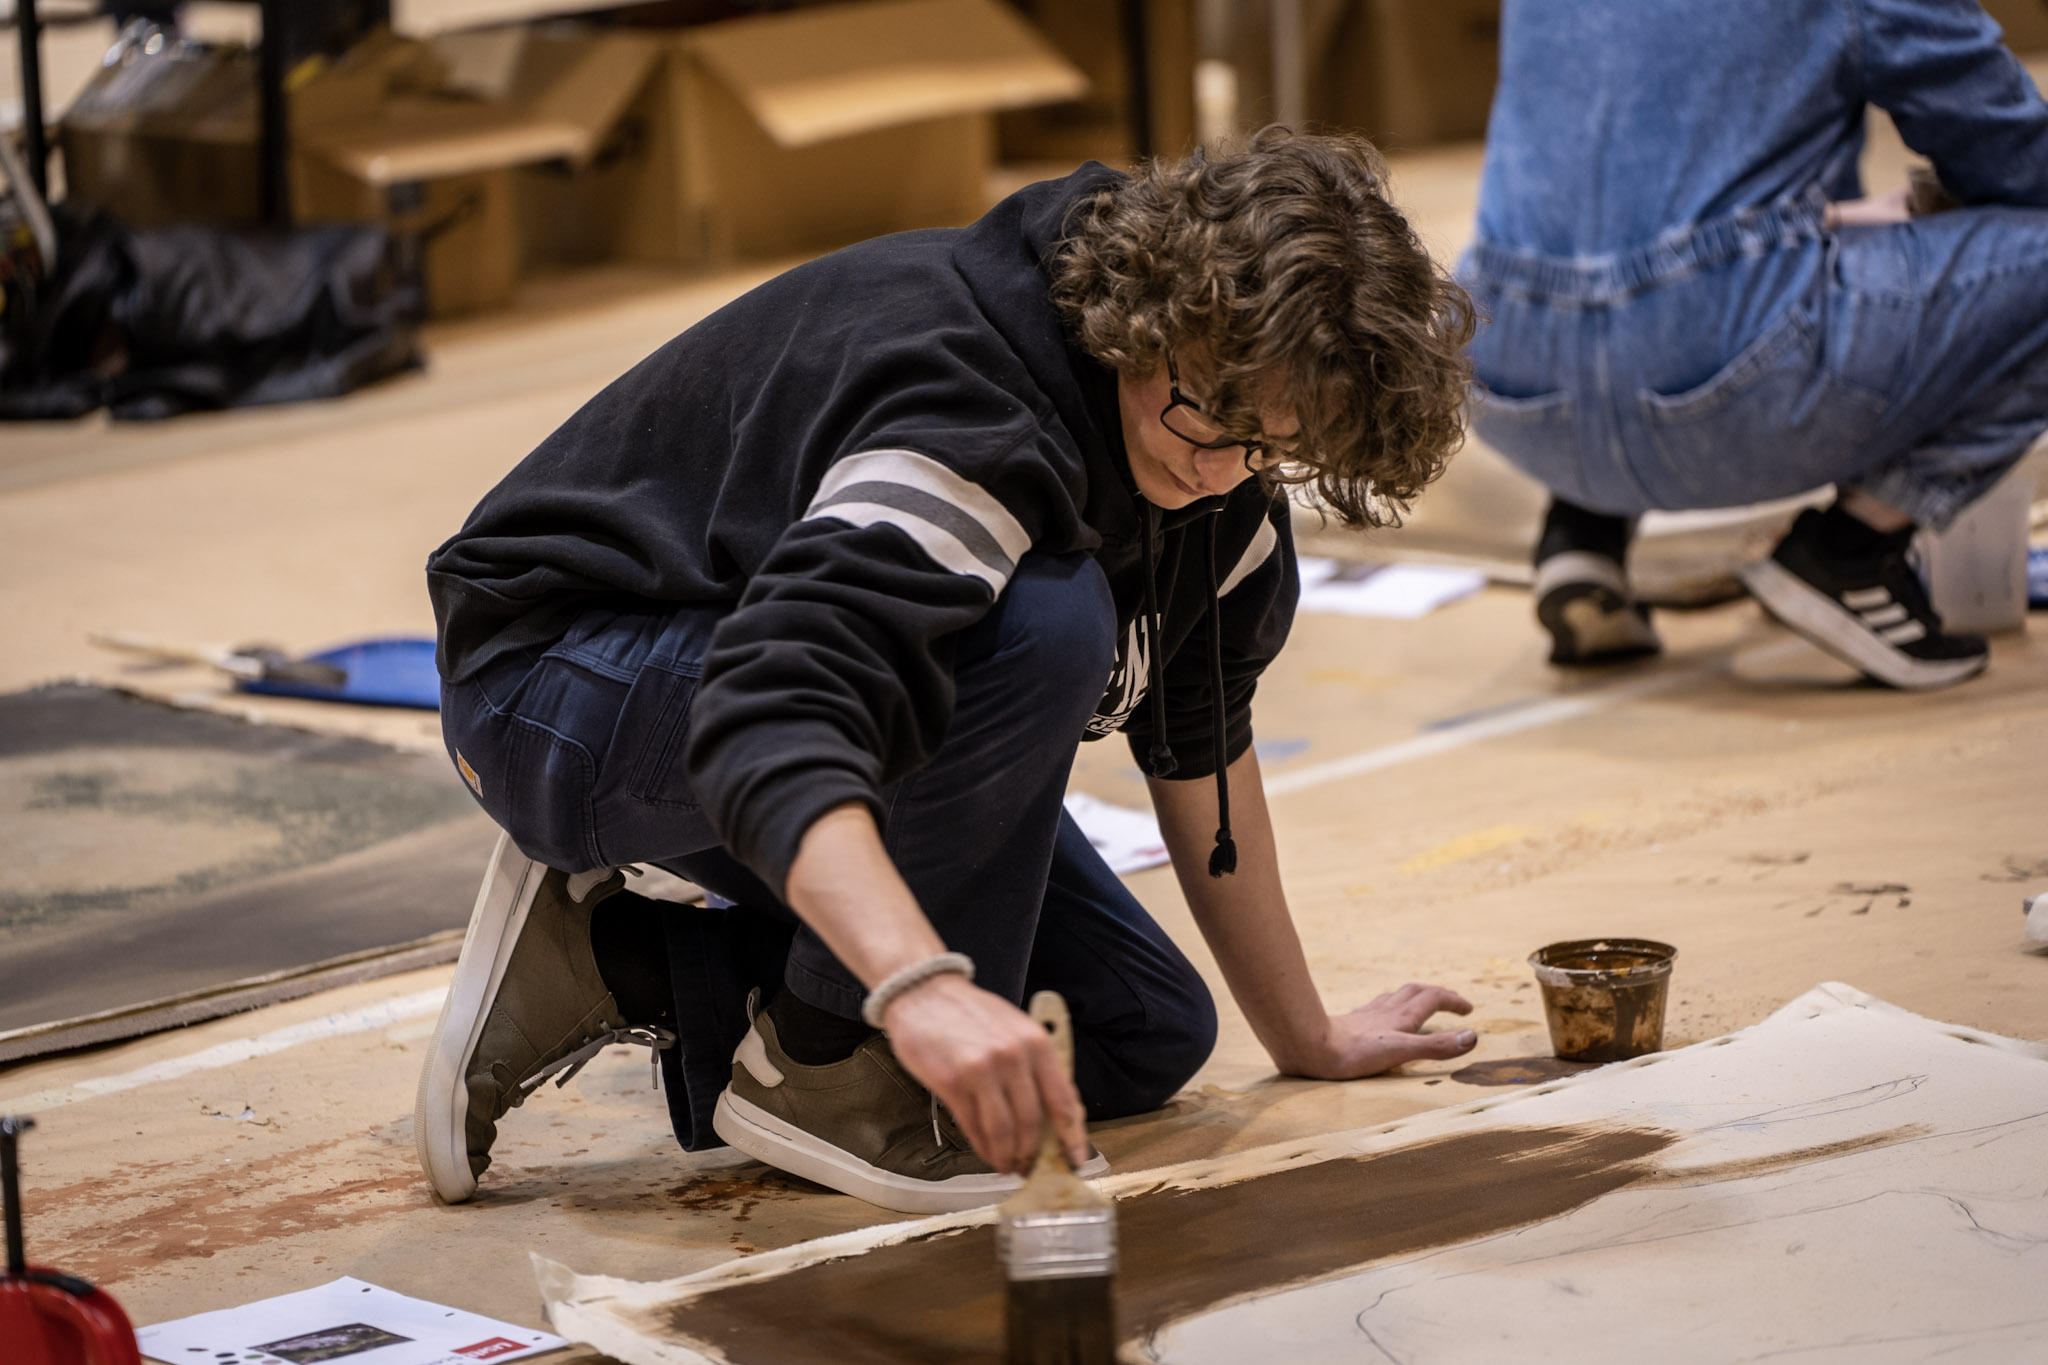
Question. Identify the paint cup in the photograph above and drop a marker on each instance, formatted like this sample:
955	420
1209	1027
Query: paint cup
1604	997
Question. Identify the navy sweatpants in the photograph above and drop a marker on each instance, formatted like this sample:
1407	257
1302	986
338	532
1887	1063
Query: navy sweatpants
578	755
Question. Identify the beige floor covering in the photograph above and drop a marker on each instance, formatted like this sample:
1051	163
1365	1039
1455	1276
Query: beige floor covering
1779	824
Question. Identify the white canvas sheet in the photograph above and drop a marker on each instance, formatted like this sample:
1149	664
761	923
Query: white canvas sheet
1851	1183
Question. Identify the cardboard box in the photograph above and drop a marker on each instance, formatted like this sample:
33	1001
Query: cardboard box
2025	23
793	132
442	167
377	136
757	137
1408	73
1090	33
170	136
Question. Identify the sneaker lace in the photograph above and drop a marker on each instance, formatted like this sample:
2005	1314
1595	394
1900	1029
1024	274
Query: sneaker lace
569	1063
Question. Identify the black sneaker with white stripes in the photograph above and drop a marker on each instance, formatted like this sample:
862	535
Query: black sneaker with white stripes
1850	590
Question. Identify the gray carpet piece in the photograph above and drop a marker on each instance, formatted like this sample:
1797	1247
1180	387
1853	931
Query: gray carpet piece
150	852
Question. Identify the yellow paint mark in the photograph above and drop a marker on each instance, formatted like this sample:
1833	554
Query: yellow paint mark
1466	846
1358	889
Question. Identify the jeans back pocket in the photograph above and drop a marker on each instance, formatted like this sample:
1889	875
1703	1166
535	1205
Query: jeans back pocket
1538	435
1772	422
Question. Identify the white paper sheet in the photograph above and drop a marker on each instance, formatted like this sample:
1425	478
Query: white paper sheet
1127	839
1401	592
347	1321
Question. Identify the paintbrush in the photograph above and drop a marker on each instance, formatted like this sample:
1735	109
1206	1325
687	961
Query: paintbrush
249	663
1056	1239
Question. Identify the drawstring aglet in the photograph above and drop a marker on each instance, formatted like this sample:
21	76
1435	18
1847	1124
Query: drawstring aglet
1161	760
1223	858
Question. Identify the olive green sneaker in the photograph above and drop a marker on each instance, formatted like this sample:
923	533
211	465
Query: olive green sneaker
863	1126
526	1003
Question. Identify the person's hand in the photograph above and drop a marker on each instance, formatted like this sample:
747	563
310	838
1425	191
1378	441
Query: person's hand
1878	210
1380	1036
992	1064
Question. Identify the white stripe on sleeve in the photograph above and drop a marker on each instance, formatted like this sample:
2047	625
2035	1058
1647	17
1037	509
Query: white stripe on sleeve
957	522
1254	555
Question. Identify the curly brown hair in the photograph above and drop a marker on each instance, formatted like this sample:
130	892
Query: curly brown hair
1280	262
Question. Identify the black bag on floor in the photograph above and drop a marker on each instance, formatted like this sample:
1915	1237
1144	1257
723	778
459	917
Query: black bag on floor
151	323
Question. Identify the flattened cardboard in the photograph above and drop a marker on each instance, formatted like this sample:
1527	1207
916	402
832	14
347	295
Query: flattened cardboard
1855	1174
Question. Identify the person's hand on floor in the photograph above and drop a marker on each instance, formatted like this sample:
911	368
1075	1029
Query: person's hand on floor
1380	1036
990	1063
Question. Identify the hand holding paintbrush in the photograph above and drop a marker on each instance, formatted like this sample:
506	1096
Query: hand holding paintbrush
1056	1238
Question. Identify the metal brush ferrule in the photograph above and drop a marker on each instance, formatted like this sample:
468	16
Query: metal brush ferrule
1068	1244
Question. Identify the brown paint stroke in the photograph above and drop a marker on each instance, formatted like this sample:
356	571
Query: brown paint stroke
940	1299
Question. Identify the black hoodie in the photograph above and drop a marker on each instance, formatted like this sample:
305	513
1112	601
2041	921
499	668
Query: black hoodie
853	456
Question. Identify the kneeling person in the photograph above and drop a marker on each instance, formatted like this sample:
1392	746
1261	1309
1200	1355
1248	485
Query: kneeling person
811	607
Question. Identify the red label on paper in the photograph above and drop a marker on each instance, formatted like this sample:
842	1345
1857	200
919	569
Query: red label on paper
489	1350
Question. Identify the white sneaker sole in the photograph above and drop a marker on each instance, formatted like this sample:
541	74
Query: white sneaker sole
1583	601
751	1129
1817	616
440	1113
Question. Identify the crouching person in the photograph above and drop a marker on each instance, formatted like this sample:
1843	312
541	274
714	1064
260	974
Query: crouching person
812	606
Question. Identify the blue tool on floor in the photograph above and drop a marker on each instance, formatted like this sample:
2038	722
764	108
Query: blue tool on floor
2037	577
394	670
397	670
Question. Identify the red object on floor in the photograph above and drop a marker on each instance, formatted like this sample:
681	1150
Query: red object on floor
46	1317
52	1319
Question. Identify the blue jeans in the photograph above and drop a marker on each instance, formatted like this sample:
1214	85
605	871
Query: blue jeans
577	751
1908	360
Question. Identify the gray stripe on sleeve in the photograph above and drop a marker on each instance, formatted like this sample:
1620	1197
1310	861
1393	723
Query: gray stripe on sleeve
917	503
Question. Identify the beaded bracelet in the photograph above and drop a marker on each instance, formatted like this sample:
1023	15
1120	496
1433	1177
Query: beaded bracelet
916	974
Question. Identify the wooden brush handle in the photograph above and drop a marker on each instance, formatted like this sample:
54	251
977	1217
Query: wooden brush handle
1049	1009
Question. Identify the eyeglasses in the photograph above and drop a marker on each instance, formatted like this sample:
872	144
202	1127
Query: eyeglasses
1198	431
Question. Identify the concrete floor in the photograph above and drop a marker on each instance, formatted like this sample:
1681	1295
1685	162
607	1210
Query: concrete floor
1741	798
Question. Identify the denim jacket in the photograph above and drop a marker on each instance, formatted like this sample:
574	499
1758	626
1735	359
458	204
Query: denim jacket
1650	242
1619	123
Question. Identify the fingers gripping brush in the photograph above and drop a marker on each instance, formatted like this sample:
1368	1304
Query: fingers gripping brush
1056	1238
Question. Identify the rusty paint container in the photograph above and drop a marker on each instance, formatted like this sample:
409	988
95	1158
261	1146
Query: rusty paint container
1604	997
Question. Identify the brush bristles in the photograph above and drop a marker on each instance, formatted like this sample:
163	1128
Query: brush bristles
1067	1321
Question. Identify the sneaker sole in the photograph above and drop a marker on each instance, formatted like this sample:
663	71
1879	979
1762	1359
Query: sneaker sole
1810	612
1582	600
440	1114
751	1129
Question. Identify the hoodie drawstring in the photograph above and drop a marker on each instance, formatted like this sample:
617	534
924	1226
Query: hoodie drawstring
1159	758
1223	858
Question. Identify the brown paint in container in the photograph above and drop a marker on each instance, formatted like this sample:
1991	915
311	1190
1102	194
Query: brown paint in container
1604	997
